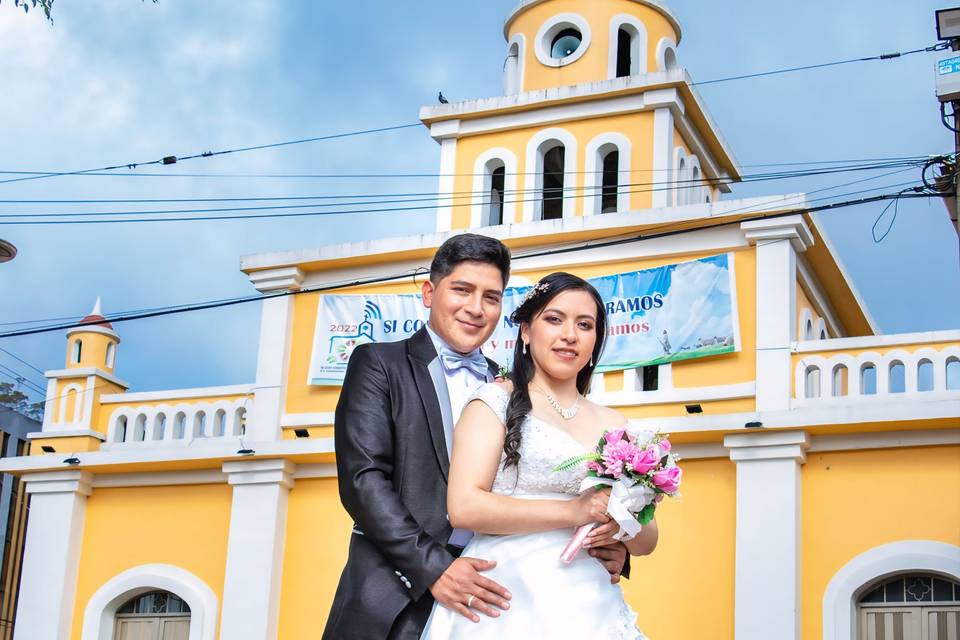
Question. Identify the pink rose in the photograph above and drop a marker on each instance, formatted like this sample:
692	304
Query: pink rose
668	480
665	445
644	460
613	437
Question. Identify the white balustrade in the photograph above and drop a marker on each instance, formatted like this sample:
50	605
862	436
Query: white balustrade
871	375
176	424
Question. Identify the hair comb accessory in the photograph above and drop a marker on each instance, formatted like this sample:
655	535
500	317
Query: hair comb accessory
535	290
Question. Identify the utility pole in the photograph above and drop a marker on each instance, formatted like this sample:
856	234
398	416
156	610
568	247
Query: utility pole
948	90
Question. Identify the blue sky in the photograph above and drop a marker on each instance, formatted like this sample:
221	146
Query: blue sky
116	81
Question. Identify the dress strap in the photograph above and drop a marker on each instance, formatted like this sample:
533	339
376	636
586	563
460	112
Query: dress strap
494	396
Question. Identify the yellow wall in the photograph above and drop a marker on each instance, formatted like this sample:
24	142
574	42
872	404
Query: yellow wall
694	560
318	533
638	127
593	65
185	526
852	502
803	302
93	352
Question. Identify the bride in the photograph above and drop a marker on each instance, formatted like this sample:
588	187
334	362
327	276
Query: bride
502	485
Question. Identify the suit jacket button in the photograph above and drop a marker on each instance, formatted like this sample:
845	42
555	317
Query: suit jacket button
398	573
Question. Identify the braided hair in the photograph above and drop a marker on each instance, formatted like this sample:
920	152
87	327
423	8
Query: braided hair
519	406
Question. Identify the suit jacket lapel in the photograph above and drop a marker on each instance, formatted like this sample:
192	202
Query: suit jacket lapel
433	394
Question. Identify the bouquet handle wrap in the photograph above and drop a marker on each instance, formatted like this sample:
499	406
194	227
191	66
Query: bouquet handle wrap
576	542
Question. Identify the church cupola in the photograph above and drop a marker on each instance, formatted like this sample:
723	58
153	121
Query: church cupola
94	344
554	43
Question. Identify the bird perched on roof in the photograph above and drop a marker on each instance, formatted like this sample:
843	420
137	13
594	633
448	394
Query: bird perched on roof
442	99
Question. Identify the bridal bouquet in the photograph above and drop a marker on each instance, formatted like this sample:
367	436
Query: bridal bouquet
640	469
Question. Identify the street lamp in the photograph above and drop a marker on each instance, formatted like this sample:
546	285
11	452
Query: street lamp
7	251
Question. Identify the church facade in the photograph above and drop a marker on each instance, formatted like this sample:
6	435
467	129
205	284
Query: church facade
821	495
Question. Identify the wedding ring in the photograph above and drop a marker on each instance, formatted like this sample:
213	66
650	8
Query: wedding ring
470	600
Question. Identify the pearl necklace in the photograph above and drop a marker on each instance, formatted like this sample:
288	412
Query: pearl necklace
566	414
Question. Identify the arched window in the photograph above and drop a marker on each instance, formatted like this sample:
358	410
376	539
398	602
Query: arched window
512	69
219	423
159	426
681	192
868	380
812	382
953	374
179	426
808	329
240	422
494	180
200	425
898	382
77	351
670	59
552	181
898	606
839	381
120	435
140	428
111	355
156	614
610	184
925	375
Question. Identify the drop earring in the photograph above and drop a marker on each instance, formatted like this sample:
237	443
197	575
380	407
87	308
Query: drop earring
591	360
524	348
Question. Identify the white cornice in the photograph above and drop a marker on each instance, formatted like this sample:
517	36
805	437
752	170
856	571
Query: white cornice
297	420
59	482
273	471
677	394
118	459
176	394
657	6
715	212
770	445
274	280
793	228
56	432
84	372
94	328
871	342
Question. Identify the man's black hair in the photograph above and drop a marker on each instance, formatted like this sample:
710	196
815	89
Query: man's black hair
470	247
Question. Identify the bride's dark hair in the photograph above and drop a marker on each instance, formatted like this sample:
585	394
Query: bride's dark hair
536	301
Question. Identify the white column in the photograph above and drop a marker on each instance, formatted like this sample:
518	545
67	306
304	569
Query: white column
446	133
258	526
777	241
51	557
273	353
662	155
767	594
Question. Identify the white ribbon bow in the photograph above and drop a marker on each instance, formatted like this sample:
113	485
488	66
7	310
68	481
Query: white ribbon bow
627	497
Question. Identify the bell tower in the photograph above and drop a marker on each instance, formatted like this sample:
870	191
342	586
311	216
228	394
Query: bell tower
597	117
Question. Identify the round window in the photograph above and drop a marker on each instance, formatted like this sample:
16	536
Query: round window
565	43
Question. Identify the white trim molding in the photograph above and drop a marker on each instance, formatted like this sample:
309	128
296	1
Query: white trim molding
638	44
83	372
596	149
768	533
818	299
549	30
70	432
663	165
860	573
258	526
177	394
51	556
297	420
533	181
277	280
93	328
482	187
868	342
99	615
447	178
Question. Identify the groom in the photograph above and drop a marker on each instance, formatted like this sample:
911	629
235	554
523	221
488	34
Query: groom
393	433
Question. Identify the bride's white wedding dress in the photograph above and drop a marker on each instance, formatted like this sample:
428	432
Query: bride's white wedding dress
550	599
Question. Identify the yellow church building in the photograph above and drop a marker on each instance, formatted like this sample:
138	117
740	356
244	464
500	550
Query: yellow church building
821	496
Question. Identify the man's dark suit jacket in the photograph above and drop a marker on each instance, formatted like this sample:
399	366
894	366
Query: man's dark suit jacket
392	465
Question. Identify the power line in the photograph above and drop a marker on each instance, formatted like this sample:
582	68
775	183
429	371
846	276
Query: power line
579	192
21	379
21	361
884	56
406	274
386	175
167	160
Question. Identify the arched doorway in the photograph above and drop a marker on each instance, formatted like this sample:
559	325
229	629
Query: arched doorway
155	615
910	607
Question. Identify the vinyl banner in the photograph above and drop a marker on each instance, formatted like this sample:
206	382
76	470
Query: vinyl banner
674	312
